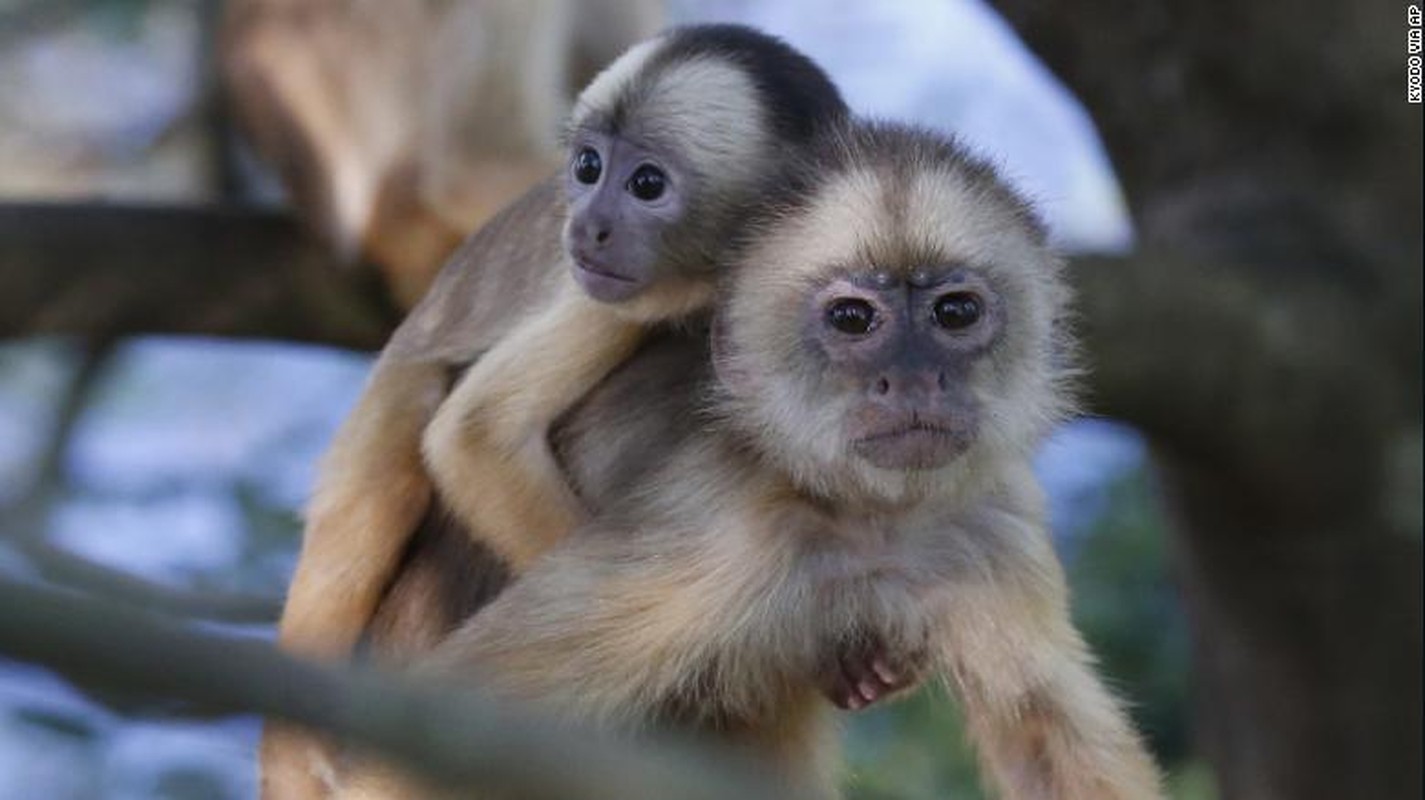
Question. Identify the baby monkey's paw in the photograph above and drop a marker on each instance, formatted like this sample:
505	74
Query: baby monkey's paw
863	673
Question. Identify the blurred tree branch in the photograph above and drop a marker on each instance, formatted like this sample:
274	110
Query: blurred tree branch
76	572
100	272
455	738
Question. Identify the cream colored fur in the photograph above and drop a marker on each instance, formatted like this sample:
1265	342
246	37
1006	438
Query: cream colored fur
488	444
369	485
714	593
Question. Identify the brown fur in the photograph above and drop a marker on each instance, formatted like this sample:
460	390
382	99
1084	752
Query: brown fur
373	488
445	577
605	443
488	444
695	96
538	344
708	589
487	448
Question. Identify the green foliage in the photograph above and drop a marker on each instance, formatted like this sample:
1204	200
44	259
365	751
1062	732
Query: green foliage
913	749
1192	781
1127	606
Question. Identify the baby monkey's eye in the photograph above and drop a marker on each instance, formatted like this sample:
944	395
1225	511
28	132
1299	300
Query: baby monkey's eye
957	310
647	183
851	315
588	166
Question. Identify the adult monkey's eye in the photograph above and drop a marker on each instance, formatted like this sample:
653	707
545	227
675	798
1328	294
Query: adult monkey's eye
851	315
588	166
957	310
647	183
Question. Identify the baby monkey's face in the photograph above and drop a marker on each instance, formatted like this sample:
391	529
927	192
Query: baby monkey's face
624	198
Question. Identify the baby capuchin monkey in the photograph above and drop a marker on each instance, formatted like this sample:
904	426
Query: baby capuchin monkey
841	486
670	147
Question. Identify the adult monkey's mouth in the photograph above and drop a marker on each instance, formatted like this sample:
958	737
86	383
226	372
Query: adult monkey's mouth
915	445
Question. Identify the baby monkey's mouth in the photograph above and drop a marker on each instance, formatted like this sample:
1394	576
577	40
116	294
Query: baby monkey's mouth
602	283
594	268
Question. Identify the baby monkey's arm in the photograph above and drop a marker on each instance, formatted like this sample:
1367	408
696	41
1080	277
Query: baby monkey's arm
488	446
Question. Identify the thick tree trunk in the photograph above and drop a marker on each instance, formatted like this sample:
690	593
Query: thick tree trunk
1308	656
1267	339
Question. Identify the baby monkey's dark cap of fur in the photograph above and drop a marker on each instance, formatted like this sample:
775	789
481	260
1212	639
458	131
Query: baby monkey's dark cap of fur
800	98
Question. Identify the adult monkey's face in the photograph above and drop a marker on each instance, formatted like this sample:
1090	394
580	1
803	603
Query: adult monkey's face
893	326
906	347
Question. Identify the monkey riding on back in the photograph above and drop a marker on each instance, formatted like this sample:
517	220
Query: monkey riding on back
670	149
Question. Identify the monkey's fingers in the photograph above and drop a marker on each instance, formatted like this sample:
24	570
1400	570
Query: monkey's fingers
841	685
874	678
844	692
863	679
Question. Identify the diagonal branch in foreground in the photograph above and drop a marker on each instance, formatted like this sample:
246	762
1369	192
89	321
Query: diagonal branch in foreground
454	738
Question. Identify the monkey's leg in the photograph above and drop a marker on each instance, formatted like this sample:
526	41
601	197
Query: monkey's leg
488	446
1044	724
370	496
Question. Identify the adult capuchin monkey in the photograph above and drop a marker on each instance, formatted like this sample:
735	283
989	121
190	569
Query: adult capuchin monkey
838	493
670	148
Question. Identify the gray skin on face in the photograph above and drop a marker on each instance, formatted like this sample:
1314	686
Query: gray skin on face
622	197
906	347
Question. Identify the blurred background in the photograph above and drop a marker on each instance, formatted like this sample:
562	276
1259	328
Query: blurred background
212	214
